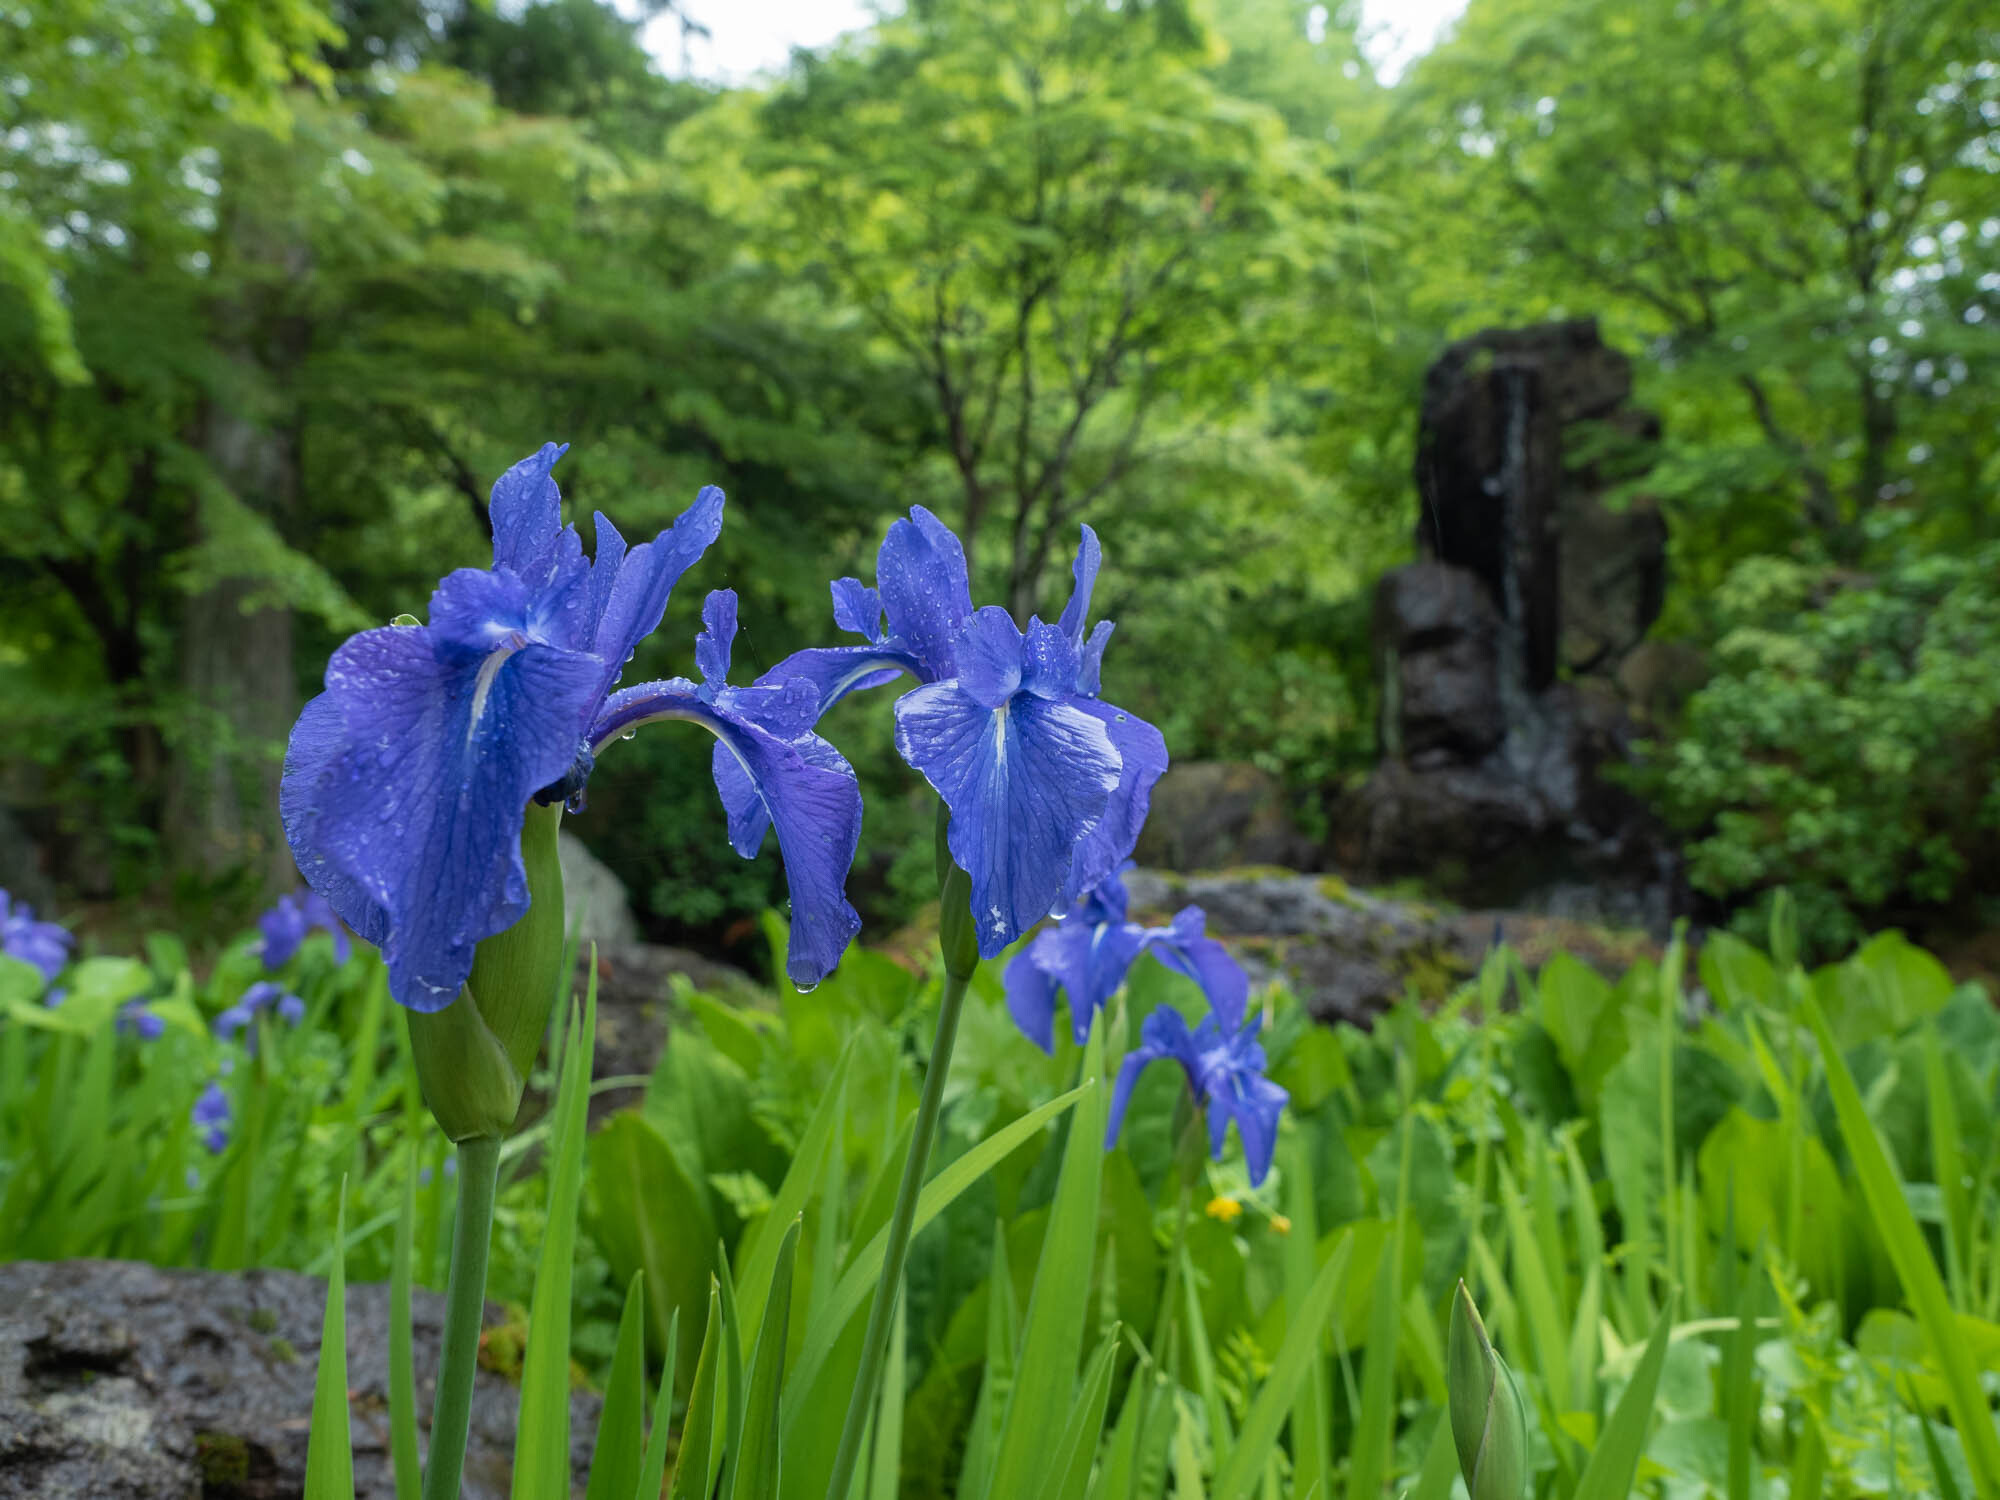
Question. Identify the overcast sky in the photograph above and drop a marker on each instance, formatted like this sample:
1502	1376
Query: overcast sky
747	37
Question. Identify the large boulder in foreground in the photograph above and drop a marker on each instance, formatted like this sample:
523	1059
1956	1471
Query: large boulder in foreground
122	1381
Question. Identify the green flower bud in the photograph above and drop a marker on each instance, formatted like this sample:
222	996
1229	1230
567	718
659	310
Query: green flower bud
1487	1422
474	1055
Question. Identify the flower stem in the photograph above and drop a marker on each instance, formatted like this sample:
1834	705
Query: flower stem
464	1309
875	1344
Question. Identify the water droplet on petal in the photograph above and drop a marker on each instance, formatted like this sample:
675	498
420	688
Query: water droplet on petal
630	734
806	989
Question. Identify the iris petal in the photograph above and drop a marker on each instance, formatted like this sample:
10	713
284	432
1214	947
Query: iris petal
1187	949
921	574
836	671
639	596
801	787
1020	781
526	511
420	797
1141	752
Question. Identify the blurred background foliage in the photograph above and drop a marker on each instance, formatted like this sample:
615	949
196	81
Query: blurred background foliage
284	285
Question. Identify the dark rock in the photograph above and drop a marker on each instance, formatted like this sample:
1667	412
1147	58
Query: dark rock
1207	815
594	895
1437	640
635	984
122	1381
1500	655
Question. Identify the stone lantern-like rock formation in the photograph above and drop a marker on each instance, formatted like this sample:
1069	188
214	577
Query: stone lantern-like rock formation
1511	655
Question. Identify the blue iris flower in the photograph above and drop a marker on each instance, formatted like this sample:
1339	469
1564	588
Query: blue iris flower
286	925
1225	1068
211	1117
1089	952
263	995
134	1017
407	780
43	944
1047	784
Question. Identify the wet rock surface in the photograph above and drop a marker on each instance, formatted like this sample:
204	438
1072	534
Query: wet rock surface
635	986
122	1381
1210	814
1350	954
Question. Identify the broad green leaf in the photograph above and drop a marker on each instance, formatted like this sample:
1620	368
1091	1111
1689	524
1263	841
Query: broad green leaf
329	1445
650	1215
753	1276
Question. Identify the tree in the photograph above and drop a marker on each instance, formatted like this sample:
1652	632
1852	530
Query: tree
1049	217
1794	199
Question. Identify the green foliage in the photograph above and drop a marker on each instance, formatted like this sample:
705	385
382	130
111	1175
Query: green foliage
1846	745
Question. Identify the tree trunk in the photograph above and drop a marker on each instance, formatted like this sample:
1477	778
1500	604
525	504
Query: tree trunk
235	645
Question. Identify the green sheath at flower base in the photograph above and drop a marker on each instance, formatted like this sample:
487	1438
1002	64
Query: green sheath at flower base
473	1056
1487	1422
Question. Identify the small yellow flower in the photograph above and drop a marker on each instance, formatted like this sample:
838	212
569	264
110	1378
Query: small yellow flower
1280	1223
1228	1210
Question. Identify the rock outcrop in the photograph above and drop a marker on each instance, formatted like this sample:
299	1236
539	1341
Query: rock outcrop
122	1381
1503	654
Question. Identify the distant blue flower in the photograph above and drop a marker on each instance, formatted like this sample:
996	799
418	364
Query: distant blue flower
263	995
43	944
772	772
1226	1072
211	1117
135	1018
1089	952
285	927
407	780
1047	784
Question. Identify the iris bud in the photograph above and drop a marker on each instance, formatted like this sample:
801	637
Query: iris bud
1487	1423
474	1055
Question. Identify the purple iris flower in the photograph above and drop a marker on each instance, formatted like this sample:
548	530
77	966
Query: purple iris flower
407	780
135	1018
211	1117
1089	952
263	995
1225	1068
772	771
43	944
1047	784
285	927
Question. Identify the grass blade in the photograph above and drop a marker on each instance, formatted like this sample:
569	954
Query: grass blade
403	1451
1052	1334
885	1466
541	1446
753	1274
1312	1406
614	1461
1375	1431
1069	1473
1297	1356
1908	1250
850	1295
996	1382
694	1472
756	1459
329	1446
653	1467
1614	1462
